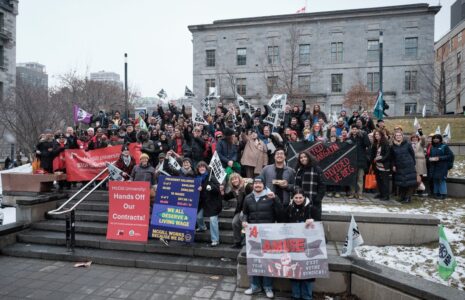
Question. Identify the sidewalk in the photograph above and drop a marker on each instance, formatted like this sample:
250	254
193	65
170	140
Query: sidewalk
24	278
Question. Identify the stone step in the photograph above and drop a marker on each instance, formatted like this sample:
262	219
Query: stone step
101	216
94	205
100	228
152	246
124	258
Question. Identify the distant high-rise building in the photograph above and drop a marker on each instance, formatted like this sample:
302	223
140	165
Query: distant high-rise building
8	13
457	13
106	76
32	73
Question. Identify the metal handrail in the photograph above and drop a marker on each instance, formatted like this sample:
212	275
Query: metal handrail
58	212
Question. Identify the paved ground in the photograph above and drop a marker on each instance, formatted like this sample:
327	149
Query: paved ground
24	278
366	199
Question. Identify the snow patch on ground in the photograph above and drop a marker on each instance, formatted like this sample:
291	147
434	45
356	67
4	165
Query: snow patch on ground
9	215
419	261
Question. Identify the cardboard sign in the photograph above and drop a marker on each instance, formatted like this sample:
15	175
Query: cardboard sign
129	211
175	210
286	251
337	160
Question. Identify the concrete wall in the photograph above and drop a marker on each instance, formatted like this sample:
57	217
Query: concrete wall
366	289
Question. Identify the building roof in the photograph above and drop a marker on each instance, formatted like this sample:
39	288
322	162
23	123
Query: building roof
319	16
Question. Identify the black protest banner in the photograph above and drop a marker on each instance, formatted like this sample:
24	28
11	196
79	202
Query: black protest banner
337	160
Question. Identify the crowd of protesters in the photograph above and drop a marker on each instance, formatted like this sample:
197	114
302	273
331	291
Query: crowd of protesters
254	153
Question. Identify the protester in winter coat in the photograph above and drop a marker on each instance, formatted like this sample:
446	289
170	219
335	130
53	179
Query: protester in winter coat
360	139
147	145
210	203
125	162
237	191
187	169
403	165
143	171
299	211
381	162
279	178
318	114
254	156
440	158
46	150
418	145
261	206
309	177
196	145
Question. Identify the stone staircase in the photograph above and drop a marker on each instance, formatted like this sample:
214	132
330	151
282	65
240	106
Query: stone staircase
46	240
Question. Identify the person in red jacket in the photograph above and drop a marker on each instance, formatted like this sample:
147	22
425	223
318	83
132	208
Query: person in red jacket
125	162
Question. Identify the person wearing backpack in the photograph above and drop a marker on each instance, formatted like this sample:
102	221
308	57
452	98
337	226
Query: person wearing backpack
441	160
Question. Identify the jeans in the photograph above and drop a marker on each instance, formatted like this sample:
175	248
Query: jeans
237	228
260	281
382	179
440	186
214	229
214	226
302	289
200	221
360	176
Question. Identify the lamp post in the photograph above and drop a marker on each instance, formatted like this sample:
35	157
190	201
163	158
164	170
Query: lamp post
381	61
126	95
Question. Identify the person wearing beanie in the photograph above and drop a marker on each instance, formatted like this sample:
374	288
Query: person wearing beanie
440	160
125	162
261	206
144	171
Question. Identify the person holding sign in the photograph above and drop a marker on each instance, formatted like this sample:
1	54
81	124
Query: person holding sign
299	211
210	203
261	206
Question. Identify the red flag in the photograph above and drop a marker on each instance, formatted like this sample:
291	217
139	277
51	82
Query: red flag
301	11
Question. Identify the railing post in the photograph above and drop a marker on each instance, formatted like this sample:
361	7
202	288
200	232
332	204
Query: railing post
73	230
68	231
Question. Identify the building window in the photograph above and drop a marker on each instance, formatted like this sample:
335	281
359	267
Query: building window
373	81
337	52
459	80
241	54
411	47
211	59
336	83
1	90
241	86
373	50
304	54
459	37
457	104
209	83
273	55
304	84
410	108
272	84
2	21
459	57
410	81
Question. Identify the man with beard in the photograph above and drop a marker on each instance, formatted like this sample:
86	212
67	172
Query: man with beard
261	206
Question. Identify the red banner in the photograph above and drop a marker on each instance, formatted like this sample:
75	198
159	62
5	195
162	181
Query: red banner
129	211
84	165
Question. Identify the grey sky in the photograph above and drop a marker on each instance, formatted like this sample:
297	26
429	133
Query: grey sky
92	35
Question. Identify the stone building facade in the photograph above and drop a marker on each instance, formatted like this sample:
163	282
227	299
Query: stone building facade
449	67
320	56
8	13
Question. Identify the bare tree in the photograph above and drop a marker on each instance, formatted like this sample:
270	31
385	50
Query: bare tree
442	82
359	97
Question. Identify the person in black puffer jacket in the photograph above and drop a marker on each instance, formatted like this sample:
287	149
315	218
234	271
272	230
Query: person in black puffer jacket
261	206
299	211
403	165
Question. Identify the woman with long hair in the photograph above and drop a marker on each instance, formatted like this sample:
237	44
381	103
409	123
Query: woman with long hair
309	178
381	162
418	145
